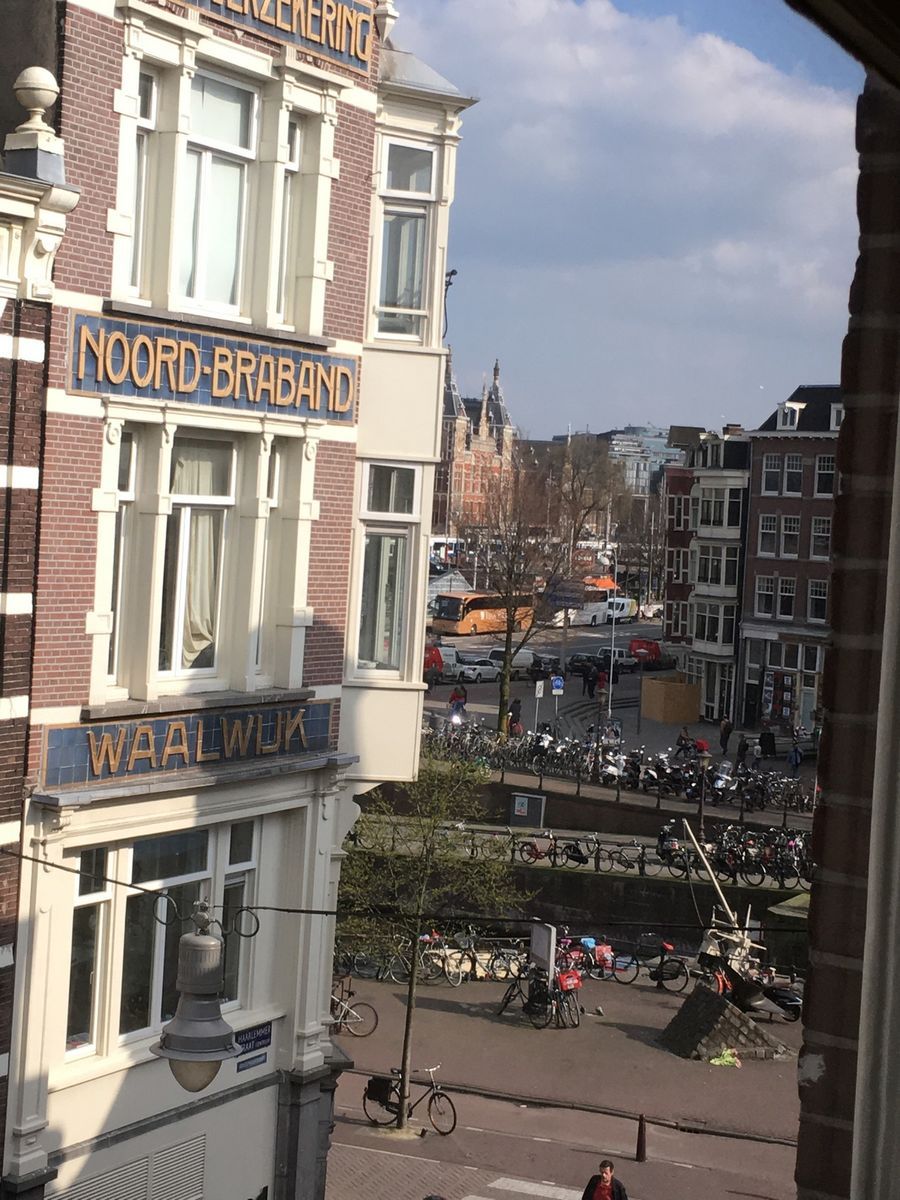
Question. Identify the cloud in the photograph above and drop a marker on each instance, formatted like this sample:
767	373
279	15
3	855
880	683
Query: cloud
625	185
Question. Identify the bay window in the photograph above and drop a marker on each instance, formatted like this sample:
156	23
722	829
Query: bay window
391	499
408	191
211	216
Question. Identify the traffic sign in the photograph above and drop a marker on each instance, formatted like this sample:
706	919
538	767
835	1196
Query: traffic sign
557	683
539	689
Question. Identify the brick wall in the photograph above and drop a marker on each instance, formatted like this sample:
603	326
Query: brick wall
329	565
870	380
348	236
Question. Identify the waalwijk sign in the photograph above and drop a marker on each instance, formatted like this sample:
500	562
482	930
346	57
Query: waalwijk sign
83	755
116	356
341	31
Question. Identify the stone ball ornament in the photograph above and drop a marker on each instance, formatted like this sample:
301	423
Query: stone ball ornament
36	90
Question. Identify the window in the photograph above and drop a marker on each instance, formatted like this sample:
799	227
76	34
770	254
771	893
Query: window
728	624
817	601
786	590
768	535
125	496
409	190
391	493
714	454
706	622
765	595
201	487
735	500
141	930
677	512
771	474
146	124
89	919
820	540
695	512
211	217
825	475
709	565
289	216
837	415
731	566
712	506
793	475
787	416
790	537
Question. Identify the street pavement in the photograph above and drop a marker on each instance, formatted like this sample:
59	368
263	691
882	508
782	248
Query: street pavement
572	1096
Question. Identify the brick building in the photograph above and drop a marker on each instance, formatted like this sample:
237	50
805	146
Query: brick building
241	420
676	499
477	447
787	571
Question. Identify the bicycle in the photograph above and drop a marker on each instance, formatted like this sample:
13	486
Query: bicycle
532	852
670	972
632	857
358	1019
381	1101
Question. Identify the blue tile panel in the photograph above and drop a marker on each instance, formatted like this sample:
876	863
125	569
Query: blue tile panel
118	357
82	755
341	32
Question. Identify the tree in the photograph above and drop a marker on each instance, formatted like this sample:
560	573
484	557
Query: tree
388	895
529	521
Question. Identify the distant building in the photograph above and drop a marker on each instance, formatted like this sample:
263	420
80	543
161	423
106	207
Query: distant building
677	484
476	447
642	450
785	610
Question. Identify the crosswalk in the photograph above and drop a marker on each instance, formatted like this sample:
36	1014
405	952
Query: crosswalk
528	1187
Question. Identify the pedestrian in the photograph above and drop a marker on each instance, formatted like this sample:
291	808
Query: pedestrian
757	754
592	676
683	743
514	725
585	679
795	758
743	747
457	702
725	728
604	1186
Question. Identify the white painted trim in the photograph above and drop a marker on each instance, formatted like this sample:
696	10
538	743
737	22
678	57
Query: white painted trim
62	404
4	1065
358	97
105	8
10	831
331	691
69	715
27	478
80	300
16	604
22	349
13	708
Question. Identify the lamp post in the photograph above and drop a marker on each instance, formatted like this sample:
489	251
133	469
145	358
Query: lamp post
197	1040
705	759
612	637
641	656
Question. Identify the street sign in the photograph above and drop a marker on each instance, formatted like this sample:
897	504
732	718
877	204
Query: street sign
557	684
539	690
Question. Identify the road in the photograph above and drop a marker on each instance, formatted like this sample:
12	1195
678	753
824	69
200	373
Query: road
526	1145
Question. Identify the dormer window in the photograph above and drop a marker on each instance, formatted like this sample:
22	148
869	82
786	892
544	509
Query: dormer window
787	416
837	415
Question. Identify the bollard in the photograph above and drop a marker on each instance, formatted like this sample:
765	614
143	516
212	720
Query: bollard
640	1154
596	852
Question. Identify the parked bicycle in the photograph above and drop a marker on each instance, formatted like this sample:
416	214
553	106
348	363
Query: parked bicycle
381	1101
669	972
359	1019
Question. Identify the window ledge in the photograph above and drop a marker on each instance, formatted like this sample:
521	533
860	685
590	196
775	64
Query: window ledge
180	702
392	684
126	308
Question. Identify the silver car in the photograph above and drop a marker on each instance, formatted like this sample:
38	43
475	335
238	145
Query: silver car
477	670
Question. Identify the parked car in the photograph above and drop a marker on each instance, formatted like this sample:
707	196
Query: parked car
654	654
522	662
449	659
579	664
624	659
626	609
543	666
477	670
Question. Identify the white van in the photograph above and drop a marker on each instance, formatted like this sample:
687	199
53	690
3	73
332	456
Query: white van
450	659
523	661
593	613
624	607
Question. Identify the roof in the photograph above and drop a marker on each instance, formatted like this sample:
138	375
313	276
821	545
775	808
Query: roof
403	69
457	405
814	415
683	436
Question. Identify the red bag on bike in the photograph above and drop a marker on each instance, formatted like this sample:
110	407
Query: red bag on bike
569	981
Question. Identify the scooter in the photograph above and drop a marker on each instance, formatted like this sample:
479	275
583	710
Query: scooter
753	996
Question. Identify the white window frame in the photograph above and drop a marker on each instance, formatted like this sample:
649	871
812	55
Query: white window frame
785	534
832	471
837	416
770	531
395	201
102	900
788	469
761	588
819	595
771	463
819	533
123	533
145	170
787	586
291	213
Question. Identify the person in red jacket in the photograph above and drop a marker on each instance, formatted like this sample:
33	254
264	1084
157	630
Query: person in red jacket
434	665
604	1186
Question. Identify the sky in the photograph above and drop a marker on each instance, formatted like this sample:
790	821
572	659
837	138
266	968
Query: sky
654	219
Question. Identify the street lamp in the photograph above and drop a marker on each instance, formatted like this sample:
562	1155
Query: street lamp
641	656
612	637
704	759
197	1040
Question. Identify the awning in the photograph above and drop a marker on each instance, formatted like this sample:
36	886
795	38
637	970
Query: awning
601	582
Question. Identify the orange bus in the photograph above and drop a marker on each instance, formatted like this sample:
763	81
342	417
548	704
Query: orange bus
477	612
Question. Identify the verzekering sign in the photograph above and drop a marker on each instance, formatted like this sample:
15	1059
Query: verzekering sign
119	357
339	30
85	755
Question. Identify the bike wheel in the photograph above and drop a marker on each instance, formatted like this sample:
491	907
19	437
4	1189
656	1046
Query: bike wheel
652	866
360	1019
789	878
508	996
365	966
453	971
677	866
377	1113
494	848
626	970
528	852
573	1009
431	966
498	967
623	862
604	860
541	1015
752	874
398	969
675	976
442	1113
571	855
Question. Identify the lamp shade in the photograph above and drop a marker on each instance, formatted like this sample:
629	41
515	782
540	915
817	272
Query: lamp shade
197	1040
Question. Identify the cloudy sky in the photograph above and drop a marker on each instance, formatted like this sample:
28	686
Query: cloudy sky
655	204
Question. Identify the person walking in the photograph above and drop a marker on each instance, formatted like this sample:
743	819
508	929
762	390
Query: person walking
604	1186
683	743
725	728
457	702
592	677
514	726
585	679
795	758
742	748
